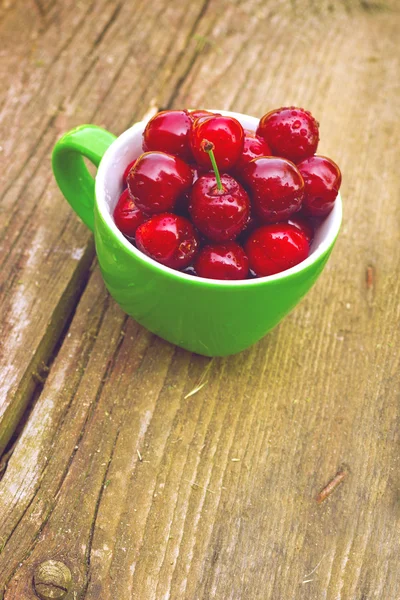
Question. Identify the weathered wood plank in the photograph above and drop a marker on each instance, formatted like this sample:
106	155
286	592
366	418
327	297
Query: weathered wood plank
86	62
225	506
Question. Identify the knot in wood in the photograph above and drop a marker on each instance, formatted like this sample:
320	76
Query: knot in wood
52	580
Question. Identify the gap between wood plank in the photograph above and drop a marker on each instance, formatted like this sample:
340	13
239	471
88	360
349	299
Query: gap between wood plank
61	331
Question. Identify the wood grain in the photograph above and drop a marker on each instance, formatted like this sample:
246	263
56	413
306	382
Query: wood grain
147	492
90	62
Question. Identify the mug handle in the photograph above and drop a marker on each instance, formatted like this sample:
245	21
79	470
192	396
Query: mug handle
70	171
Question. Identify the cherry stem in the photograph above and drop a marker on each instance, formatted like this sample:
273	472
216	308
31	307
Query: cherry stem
209	148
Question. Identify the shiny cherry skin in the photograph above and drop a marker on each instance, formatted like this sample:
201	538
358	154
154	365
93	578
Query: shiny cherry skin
222	261
169	131
169	239
127	216
219	214
253	147
126	172
199	112
157	180
304	225
290	132
275	248
276	187
322	179
227	135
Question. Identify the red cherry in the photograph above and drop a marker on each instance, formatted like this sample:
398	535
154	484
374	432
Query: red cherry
276	186
127	216
225	133
199	112
304	225
169	131
222	261
322	179
290	132
126	172
219	214
275	248
157	180
253	147
168	239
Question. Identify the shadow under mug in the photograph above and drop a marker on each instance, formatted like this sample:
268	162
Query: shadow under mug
206	316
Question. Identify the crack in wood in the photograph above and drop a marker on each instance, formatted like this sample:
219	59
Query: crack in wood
96	511
61	424
107	26
39	8
59	318
49	124
119	71
192	61
50	508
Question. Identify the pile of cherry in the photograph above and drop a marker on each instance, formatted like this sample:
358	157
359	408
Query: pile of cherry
215	200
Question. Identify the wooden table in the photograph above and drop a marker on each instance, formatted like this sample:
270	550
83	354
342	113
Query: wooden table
110	466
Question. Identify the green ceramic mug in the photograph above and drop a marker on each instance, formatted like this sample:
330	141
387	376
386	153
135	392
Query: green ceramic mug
213	318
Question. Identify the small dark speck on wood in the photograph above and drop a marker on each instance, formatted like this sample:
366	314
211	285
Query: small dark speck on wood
370	277
331	486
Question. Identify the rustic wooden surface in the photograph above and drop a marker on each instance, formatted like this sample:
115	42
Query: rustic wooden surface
109	466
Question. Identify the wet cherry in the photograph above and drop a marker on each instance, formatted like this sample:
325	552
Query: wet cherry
276	186
227	136
322	179
290	132
157	180
275	248
169	131
127	216
126	172
222	261
253	147
219	206
169	239
219	214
